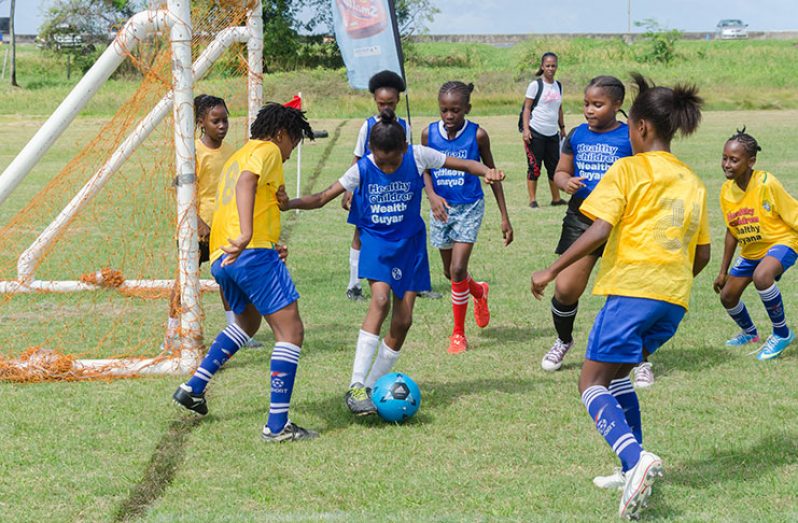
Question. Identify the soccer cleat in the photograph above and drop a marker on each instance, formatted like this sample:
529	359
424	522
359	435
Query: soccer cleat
616	480
290	432
481	311
774	346
189	401
637	487
358	401
742	339
430	295
457	344
644	376
553	359
559	202
355	294
252	344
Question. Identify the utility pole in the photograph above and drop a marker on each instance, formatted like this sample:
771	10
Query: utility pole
629	16
13	45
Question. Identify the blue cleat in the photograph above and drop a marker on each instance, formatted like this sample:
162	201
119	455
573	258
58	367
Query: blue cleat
774	346
742	339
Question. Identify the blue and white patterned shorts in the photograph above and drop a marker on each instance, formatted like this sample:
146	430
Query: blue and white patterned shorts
462	226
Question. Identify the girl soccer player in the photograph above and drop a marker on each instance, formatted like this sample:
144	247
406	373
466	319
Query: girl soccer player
211	118
389	183
763	218
458	204
386	87
588	151
650	209
542	126
247	265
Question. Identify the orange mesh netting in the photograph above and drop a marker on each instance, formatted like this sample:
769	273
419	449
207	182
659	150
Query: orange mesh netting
126	233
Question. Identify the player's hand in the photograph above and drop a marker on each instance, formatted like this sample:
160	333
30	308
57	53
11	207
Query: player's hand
574	184
527	135
507	232
539	281
203	231
282	252
346	200
440	208
282	198
720	282
234	249
494	175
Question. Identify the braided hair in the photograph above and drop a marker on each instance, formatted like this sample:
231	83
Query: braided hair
274	117
459	88
203	103
748	142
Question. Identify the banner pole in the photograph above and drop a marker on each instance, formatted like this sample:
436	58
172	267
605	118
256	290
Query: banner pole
400	52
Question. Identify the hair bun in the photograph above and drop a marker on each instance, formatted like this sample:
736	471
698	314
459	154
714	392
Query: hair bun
387	116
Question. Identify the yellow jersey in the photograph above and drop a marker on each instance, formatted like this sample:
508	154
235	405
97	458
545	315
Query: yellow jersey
657	207
761	216
209	167
263	159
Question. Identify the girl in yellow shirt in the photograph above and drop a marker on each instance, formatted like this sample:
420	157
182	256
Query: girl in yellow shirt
762	218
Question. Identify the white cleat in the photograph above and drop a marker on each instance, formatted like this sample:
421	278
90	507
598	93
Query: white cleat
639	480
616	480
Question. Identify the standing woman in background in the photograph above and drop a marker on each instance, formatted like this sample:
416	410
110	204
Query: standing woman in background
542	126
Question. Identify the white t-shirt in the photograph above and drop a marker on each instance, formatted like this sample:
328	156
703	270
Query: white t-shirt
426	158
546	114
360	145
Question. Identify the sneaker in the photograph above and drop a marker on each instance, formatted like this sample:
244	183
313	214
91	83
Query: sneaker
644	376
481	311
290	432
358	401
553	359
189	401
742	339
616	480
457	344
558	203
252	344
533	205
430	295
355	294
638	484
774	346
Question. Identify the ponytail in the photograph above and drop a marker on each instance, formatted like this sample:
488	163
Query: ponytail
387	134
669	110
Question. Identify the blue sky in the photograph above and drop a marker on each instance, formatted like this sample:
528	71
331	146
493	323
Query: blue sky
556	16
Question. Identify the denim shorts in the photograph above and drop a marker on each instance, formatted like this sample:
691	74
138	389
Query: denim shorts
462	225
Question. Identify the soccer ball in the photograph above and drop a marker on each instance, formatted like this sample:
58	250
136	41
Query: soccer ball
396	397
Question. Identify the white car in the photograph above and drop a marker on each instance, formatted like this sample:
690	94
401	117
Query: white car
731	29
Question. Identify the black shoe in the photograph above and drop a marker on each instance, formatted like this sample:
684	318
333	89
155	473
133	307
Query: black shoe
533	205
358	400
189	401
355	294
558	202
431	295
290	432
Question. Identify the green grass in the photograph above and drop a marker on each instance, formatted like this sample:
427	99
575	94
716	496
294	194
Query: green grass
496	439
756	74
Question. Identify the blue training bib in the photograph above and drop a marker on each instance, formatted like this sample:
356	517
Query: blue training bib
456	187
594	153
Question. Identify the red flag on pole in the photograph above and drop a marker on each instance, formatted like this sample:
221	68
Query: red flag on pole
295	102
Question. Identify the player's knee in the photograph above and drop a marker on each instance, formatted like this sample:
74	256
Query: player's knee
381	303
458	272
763	279
728	298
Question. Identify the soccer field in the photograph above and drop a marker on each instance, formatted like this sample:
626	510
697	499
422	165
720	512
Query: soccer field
496	439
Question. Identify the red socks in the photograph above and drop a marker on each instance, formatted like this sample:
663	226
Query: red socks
460	293
475	288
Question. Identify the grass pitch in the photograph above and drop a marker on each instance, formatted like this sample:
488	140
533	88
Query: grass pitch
496	439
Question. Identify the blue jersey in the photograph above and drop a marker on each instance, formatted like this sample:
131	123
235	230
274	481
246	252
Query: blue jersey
370	125
594	153
388	206
456	187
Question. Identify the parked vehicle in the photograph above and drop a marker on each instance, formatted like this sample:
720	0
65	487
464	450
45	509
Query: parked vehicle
731	29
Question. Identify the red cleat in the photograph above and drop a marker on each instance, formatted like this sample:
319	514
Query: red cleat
481	311
457	344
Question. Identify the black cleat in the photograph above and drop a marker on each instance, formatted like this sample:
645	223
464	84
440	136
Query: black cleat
355	294
358	400
290	432
189	401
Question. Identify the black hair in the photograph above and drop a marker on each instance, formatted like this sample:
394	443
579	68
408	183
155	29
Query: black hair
459	88
387	134
669	110
748	142
611	86
543	59
387	79
204	103
274	117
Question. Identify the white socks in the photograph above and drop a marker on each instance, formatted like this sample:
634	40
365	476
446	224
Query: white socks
354	258
364	355
386	357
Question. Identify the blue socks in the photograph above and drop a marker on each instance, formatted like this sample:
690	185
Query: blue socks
739	314
626	396
222	349
771	297
285	359
611	423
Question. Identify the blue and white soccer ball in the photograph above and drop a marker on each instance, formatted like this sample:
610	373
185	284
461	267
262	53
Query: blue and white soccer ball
396	396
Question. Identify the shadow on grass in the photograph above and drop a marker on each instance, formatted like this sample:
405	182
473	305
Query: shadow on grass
692	359
513	333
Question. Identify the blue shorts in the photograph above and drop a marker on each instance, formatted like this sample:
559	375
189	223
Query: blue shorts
258	277
625	326
403	264
744	268
462	226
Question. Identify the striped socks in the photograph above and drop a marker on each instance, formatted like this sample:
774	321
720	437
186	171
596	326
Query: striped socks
771	297
564	317
460	295
222	349
285	360
739	314
625	393
611	423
